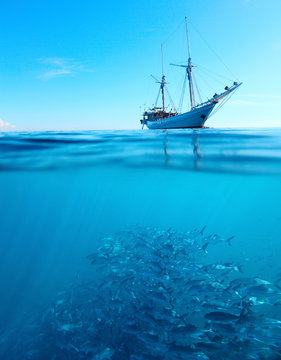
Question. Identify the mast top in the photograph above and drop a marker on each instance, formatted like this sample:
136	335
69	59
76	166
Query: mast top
162	60
187	37
189	70
163	82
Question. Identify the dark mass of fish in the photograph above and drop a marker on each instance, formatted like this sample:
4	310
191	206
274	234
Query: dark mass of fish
155	296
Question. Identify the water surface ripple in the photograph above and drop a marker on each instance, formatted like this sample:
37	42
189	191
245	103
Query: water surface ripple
212	150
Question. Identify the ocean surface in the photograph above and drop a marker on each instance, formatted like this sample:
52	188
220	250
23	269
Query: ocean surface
140	245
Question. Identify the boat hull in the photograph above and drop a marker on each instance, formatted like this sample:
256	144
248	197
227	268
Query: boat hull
191	119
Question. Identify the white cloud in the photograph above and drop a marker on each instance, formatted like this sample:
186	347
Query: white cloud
245	102
57	67
257	99
262	96
6	126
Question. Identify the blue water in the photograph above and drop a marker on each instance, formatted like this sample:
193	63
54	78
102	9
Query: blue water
62	193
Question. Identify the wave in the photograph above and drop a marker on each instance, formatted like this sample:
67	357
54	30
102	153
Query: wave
213	150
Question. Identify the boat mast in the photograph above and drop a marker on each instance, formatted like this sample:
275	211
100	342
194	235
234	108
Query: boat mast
189	70
163	82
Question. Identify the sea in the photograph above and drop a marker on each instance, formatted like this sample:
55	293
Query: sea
140	244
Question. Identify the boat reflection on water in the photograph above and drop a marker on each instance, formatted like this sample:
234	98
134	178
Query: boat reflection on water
205	150
190	151
196	150
223	151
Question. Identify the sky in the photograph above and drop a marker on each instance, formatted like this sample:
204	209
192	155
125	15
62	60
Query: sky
87	65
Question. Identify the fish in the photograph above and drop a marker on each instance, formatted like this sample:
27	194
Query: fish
224	327
66	327
228	267
214	240
105	354
203	229
181	350
278	283
157	294
221	316
204	247
183	329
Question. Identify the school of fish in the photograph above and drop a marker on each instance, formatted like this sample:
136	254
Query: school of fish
155	296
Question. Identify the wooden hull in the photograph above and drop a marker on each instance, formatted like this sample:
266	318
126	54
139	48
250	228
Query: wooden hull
191	119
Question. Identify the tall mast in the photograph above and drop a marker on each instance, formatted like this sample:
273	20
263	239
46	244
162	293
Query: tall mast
189	70
163	82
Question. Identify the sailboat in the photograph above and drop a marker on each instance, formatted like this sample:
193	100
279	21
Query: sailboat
198	114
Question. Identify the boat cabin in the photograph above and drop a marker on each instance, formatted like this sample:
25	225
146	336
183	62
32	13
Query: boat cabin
157	115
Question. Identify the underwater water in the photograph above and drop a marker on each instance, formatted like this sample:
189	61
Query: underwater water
140	245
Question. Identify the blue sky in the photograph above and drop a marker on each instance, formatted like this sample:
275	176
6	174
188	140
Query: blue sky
87	65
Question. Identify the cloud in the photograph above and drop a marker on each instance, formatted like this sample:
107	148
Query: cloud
58	67
245	102
6	126
257	100
262	96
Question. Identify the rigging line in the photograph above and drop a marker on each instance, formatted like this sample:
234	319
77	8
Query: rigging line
219	58
205	81
183	92
171	100
202	93
197	88
173	32
177	81
157	97
223	102
220	106
213	77
214	73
